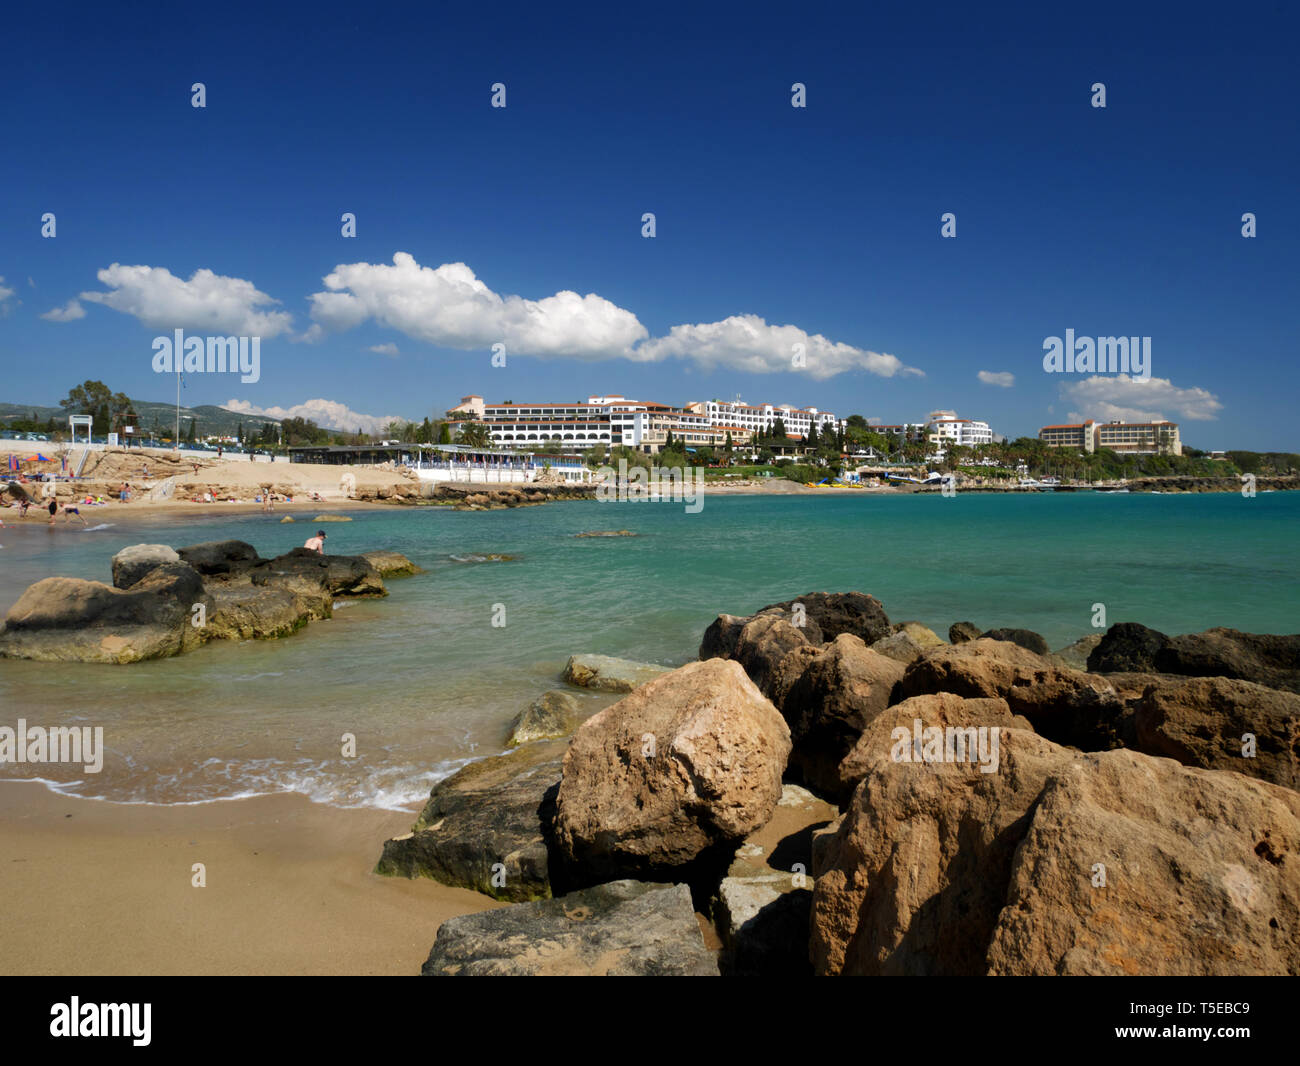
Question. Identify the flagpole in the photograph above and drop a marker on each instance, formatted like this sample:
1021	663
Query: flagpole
176	443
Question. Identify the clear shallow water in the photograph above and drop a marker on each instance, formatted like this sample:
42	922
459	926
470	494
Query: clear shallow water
425	682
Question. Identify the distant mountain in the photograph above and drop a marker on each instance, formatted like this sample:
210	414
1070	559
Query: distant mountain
158	417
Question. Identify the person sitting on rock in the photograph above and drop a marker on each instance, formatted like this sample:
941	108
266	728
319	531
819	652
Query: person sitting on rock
316	543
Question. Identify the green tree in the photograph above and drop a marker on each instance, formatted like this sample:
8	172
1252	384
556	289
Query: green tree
474	435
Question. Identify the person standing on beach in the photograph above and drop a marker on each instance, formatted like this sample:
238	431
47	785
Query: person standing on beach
316	543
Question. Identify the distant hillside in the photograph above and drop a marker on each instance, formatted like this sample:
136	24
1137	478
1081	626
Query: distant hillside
159	417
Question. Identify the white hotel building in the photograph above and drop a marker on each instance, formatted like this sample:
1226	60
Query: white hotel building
616	420
960	431
798	420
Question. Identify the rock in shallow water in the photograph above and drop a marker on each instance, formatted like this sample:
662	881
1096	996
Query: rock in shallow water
604	673
131	564
620	929
552	714
485	827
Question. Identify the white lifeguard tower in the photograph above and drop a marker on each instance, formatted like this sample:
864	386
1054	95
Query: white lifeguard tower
86	422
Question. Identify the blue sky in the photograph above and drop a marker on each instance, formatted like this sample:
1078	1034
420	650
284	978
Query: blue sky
775	225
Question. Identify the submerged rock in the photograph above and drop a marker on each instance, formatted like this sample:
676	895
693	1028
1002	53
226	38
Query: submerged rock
624	928
604	673
552	714
391	564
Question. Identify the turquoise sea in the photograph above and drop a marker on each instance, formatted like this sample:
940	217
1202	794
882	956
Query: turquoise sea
425	681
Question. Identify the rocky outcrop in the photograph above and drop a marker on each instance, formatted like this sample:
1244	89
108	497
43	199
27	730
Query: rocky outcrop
134	562
1066	706
624	928
1133	865
552	714
166	602
1222	724
672	775
486	827
64	619
838	693
1026	638
604	673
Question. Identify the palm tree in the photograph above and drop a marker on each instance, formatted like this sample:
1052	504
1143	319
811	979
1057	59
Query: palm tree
474	435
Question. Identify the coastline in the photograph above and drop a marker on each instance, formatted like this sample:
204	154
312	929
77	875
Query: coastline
105	888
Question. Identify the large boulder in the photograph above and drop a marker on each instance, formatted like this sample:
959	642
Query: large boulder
1026	638
1205	722
1075	655
219	556
1127	647
1067	706
132	563
838	693
1140	866
624	928
605	673
63	619
900	647
485	827
914	878
924	637
671	775
834	613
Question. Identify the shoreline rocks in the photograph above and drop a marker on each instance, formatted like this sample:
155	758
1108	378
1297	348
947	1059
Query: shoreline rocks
166	601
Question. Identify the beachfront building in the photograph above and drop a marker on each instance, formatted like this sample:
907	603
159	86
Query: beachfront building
611	421
965	432
759	418
1126	438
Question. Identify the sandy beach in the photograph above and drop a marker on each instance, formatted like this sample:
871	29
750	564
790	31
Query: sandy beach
105	889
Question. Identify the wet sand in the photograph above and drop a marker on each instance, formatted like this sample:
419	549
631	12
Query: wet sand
93	888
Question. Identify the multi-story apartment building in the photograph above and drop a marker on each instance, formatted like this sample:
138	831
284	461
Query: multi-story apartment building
905	432
1127	438
761	417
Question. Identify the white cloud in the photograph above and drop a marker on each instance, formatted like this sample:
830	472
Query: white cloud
329	414
6	294
385	349
69	312
449	306
1004	379
748	343
208	302
1119	396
